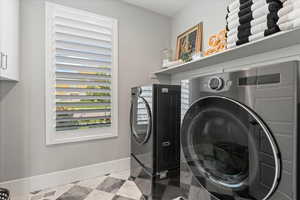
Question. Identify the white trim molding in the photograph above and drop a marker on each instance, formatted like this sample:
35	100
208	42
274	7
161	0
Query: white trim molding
24	186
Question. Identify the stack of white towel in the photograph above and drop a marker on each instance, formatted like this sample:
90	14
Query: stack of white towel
289	15
250	20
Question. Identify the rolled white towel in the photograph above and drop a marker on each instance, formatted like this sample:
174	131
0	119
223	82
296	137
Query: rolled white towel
259	28
233	25
257	36
233	17
295	14
234	12
231	45
232	38
287	2
290	25
232	32
289	7
233	5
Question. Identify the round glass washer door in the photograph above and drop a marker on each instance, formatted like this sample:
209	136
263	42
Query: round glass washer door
227	147
140	119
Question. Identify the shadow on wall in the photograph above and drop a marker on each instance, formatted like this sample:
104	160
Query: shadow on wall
5	87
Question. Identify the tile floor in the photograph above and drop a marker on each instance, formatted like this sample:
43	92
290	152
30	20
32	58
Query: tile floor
110	187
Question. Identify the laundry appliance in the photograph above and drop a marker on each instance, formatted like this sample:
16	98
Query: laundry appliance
239	135
155	140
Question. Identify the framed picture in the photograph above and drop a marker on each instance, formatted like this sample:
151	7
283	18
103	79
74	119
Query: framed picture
189	41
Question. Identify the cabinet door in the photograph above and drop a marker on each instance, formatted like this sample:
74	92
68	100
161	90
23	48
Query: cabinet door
9	42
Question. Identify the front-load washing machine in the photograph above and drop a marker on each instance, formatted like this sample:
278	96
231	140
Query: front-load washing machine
239	136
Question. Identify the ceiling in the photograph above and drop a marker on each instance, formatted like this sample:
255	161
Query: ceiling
164	7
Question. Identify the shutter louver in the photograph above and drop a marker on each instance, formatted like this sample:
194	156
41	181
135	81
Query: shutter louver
83	71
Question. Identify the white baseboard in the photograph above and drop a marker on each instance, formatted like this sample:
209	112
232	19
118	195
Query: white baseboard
40	182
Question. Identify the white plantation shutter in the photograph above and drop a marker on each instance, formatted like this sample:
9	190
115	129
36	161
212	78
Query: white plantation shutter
81	75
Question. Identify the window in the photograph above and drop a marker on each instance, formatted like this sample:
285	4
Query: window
81	75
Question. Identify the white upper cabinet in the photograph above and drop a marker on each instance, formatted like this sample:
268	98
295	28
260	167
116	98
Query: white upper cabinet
9	40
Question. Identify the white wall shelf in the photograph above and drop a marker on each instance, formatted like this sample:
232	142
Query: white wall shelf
271	43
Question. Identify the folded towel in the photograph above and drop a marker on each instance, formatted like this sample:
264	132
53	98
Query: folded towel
252	38
287	8
285	1
250	31
235	4
247	7
249	17
292	2
232	39
271	7
231	45
241	7
295	14
270	20
290	25
258	36
254	30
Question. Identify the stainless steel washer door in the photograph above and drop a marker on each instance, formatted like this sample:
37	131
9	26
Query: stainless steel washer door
230	150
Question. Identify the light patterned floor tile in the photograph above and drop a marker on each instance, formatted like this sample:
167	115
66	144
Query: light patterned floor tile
99	195
53	193
121	175
37	196
76	193
130	190
92	183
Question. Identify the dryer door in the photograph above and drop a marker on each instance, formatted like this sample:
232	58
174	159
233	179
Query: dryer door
229	150
140	119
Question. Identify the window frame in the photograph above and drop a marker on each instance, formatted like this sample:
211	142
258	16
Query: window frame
52	136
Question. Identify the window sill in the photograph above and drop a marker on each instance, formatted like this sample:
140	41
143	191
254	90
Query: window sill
54	141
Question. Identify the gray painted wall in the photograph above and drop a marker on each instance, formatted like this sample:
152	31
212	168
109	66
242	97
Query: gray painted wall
142	36
212	13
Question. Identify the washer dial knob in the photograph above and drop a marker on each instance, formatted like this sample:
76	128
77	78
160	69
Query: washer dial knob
216	83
